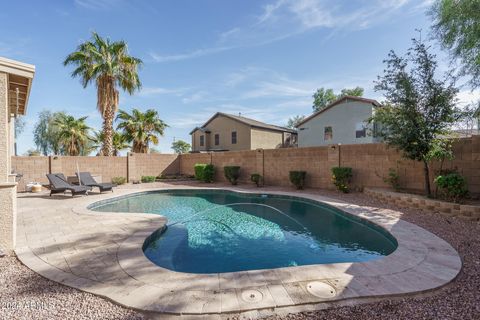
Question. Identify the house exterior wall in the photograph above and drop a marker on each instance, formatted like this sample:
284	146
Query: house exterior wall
224	127
343	119
8	189
266	139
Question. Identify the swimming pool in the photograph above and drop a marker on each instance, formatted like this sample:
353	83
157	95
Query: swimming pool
211	231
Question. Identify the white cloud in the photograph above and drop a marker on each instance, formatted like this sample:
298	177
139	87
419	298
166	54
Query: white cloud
148	91
183	56
97	4
286	18
196	97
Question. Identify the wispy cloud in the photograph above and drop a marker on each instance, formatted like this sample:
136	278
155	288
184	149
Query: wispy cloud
97	4
183	56
286	18
150	91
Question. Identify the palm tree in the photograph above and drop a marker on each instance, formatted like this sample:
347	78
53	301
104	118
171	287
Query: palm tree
119	142
107	64
141	128
73	134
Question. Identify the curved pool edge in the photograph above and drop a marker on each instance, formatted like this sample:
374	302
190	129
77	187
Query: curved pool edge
421	262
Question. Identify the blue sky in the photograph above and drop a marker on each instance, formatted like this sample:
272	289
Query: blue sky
263	58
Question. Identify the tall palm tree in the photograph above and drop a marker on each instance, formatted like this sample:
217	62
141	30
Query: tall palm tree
119	142
109	65
73	134
141	128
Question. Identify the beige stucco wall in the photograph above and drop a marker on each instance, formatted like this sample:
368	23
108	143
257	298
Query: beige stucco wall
343	119
8	189
224	127
265	139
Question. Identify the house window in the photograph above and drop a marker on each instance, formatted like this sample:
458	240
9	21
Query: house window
328	134
360	130
234	137
217	139
202	141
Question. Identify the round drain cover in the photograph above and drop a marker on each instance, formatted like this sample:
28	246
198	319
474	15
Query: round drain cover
321	289
252	296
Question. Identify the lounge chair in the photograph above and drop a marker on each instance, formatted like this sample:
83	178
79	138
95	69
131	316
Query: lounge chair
59	184
86	179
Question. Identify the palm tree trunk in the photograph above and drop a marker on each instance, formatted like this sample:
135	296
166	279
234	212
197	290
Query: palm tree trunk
107	149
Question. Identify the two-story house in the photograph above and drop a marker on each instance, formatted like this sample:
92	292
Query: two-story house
343	121
227	132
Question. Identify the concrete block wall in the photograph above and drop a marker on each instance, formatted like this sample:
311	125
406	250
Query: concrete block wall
32	168
370	164
245	159
152	165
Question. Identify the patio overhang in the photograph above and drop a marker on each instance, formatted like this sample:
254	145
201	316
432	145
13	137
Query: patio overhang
19	77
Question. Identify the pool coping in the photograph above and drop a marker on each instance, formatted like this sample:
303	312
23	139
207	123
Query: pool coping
421	262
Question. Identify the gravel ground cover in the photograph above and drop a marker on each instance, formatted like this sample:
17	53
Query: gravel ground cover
458	300
26	295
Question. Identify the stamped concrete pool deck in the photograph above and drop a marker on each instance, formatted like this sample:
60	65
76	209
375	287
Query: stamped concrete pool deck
61	239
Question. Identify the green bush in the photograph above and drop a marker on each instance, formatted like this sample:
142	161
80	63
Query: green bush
232	173
453	186
119	180
204	172
393	179
297	178
147	179
341	177
257	179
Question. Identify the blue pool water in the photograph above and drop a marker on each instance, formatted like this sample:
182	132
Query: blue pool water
211	231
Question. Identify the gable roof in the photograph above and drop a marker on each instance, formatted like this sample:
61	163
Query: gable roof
337	102
247	121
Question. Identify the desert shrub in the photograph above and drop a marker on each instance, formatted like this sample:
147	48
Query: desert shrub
119	180
453	186
232	173
341	177
204	172
147	179
393	179
297	178
257	179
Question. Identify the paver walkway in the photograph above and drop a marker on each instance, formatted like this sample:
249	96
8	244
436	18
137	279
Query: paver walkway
101	253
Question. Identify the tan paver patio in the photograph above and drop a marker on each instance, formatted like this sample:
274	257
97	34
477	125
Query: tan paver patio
101	253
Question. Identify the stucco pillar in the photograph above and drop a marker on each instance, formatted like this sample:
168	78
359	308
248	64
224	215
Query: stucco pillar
8	190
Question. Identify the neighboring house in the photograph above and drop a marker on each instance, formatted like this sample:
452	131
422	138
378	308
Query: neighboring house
226	132
342	121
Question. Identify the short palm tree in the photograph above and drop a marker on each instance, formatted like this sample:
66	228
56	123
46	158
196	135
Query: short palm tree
141	128
119	142
73	134
109	65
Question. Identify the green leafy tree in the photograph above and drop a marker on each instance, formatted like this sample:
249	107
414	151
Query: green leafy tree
456	24
141	128
119	142
181	146
356	92
73	134
107	64
323	97
294	121
45	134
420	107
